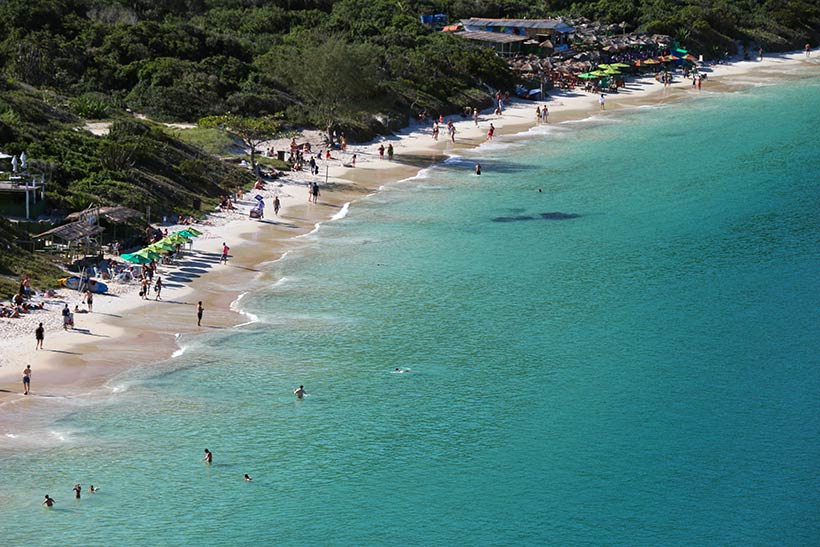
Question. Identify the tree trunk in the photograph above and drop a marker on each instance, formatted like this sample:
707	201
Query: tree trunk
330	135
253	159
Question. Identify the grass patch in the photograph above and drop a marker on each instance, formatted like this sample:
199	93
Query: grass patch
210	139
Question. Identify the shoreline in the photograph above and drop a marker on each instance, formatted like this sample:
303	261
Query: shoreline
125	332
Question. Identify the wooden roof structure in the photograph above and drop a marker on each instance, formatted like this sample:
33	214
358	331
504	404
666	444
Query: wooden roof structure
117	215
72	231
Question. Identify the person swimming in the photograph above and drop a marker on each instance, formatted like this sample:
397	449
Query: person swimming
48	502
248	478
208	457
300	392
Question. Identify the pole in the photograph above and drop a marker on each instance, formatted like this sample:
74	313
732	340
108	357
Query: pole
327	168
27	209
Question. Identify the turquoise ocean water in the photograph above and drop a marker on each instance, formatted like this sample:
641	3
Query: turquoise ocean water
639	369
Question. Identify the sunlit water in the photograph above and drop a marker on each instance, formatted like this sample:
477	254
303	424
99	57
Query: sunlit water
628	357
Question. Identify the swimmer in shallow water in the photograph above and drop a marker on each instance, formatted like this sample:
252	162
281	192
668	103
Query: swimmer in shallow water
248	478
300	392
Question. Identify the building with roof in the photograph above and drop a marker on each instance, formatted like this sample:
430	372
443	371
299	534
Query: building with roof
508	36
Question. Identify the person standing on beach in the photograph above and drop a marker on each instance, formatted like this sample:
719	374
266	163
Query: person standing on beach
700	82
475	116
601	101
158	288
314	191
199	310
545	114
381	151
49	501
760	54
225	250
276	205
66	317
89	299
27	379
808	50
208	457
538	114
390	151
39	335
490	132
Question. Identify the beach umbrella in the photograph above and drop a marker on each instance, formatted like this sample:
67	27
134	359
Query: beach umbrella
177	238
619	65
672	58
587	76
193	231
650	62
187	233
612	72
598	73
162	246
135	258
148	253
603	67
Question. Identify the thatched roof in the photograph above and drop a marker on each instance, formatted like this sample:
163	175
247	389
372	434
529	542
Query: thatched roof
114	214
72	231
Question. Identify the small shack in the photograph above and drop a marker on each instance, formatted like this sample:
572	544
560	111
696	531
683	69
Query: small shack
505	45
72	239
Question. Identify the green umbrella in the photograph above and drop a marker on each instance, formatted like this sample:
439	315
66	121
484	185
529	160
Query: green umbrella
135	258
598	73
148	253
162	246
603	67
619	65
187	233
177	238
587	76
193	231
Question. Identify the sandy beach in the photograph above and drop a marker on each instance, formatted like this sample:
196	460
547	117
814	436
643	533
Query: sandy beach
126	331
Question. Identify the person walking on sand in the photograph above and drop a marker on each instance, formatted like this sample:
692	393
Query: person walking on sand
276	205
158	288
89	299
490	132
199	310
49	501
381	151
300	392
39	335
27	379
225	250
808	50
390	151
314	192
601	101
475	116
545	114
208	457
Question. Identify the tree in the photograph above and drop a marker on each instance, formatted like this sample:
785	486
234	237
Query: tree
337	82
251	131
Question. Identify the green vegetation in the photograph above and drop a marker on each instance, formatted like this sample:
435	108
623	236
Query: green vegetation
16	258
250	131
